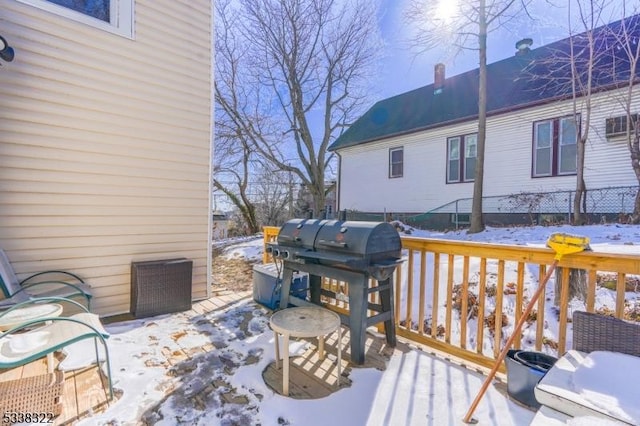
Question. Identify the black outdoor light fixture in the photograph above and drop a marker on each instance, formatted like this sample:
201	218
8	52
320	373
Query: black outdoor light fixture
6	51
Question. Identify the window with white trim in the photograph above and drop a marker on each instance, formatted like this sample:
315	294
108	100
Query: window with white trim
462	152
555	147
115	16
396	162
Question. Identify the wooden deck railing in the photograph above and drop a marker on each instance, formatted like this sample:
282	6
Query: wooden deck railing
430	285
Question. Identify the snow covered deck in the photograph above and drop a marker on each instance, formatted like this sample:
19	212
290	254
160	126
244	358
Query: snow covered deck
215	365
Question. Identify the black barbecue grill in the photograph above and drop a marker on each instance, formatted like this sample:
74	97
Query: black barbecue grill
352	252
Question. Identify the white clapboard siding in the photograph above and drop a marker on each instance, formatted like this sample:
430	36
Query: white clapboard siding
105	144
508	154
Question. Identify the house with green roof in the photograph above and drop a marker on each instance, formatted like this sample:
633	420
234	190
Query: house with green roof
416	152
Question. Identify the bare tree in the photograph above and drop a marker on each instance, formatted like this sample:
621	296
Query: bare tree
584	57
234	154
581	91
231	177
273	198
300	78
628	40
466	26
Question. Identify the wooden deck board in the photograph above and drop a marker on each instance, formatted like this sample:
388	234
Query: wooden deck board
83	390
13	374
311	378
69	401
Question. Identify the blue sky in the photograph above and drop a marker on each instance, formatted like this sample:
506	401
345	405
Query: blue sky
402	70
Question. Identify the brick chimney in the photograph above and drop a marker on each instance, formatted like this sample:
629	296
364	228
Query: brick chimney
438	78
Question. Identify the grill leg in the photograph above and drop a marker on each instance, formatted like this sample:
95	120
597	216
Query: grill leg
285	361
315	287
321	347
287	275
358	317
386	300
275	335
339	343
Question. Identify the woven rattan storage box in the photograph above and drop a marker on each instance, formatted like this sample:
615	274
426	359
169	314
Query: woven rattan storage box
160	287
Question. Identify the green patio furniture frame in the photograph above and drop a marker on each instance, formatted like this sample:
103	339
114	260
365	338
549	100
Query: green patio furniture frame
52	334
16	291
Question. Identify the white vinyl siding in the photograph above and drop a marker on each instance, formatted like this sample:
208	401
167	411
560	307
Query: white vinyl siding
105	146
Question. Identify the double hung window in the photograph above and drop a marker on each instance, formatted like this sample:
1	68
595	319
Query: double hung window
461	158
555	147
396	162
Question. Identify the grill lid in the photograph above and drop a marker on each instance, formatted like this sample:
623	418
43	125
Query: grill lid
299	232
354	245
373	240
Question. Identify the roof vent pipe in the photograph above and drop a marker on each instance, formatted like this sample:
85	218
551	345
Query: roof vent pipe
438	78
523	46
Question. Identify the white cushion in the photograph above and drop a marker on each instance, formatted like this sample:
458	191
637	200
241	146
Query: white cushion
558	388
609	380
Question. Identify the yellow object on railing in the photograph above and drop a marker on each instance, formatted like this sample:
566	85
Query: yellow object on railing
442	278
270	233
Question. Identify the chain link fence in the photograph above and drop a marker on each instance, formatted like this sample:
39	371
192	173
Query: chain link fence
612	204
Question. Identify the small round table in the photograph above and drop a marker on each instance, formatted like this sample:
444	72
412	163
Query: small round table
29	313
305	321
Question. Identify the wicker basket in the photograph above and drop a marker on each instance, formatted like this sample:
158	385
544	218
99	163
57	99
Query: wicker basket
36	395
595	332
160	287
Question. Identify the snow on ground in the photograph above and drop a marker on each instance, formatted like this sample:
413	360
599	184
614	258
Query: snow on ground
225	386
611	238
250	250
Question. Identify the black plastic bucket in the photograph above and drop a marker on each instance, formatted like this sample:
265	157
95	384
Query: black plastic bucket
524	371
